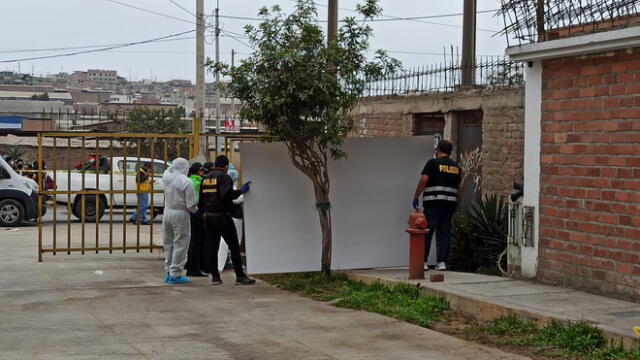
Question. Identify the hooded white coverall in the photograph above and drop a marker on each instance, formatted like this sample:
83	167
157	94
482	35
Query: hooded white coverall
179	201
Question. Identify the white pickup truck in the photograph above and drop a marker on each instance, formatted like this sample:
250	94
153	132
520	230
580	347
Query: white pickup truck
123	175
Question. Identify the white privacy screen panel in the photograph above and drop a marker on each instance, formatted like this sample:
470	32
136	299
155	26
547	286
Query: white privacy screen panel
371	192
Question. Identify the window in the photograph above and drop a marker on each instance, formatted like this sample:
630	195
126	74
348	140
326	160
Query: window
133	165
428	123
159	168
4	174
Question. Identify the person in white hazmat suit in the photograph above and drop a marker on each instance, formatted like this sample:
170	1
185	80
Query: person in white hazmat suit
179	201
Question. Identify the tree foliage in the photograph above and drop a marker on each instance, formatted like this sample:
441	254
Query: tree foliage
149	121
302	89
480	235
41	97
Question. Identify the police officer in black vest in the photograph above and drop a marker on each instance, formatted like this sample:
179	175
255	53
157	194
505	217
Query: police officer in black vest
216	196
439	188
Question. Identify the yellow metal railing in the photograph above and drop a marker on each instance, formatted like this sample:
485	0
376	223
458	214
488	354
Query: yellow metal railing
94	190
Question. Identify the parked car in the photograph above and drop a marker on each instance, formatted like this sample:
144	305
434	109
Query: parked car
18	197
112	174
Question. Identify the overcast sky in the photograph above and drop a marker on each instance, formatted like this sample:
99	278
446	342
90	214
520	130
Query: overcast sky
46	24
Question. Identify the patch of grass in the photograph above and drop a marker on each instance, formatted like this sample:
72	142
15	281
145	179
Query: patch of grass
404	301
562	340
615	353
311	284
579	337
510	325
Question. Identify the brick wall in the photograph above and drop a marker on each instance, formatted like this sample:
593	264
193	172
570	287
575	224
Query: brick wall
502	126
590	173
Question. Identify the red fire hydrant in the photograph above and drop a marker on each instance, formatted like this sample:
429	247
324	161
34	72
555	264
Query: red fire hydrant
417	230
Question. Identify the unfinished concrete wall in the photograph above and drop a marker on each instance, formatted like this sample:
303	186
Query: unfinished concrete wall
502	126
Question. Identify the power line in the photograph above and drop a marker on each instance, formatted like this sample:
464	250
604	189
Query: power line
11	51
99	50
388	18
236	39
243	36
181	7
151	12
429	22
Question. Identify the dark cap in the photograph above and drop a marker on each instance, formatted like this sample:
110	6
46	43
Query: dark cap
222	161
208	166
195	167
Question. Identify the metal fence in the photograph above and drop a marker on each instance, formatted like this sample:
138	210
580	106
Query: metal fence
490	72
91	204
528	21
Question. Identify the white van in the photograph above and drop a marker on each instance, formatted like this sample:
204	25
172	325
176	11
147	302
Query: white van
18	197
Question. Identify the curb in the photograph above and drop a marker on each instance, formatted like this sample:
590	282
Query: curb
484	311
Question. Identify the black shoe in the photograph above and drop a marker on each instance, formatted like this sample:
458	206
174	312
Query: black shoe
245	281
215	280
144	223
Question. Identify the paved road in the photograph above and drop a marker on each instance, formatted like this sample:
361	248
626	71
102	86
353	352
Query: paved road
116	306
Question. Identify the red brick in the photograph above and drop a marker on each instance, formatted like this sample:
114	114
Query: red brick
632	234
627	102
608	219
623	268
633	65
610	102
618	90
626	78
631	257
588	92
624	220
618	67
633	89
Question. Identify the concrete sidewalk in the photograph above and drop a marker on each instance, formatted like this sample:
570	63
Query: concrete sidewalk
102	306
487	297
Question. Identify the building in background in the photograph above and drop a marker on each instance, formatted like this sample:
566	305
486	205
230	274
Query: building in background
582	142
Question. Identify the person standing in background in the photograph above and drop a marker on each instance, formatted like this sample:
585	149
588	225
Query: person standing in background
438	186
143	182
196	259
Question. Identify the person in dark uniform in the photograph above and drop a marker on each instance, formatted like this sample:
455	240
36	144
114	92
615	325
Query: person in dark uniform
439	188
216	203
196	257
208	166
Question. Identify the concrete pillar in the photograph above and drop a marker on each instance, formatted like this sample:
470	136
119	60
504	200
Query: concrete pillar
532	145
451	131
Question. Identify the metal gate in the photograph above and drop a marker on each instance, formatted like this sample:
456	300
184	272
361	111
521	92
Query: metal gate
470	154
89	179
88	191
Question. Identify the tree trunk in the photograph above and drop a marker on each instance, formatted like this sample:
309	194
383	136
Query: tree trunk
311	160
324	213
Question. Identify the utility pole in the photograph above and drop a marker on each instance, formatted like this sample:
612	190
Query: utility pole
217	89
197	121
468	42
332	28
233	105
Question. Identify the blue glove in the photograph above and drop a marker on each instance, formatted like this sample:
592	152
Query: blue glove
245	187
415	204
